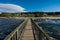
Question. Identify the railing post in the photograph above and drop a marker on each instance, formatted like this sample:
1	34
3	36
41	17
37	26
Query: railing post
39	35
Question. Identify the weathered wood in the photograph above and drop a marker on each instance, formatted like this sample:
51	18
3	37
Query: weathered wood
28	34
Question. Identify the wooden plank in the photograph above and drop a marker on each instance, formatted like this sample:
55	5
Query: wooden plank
28	34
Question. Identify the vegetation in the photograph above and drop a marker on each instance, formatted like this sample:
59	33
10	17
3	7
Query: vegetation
30	14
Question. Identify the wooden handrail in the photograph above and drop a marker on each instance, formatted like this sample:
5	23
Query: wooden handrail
41	31
21	27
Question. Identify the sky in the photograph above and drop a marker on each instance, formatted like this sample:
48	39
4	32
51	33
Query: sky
30	5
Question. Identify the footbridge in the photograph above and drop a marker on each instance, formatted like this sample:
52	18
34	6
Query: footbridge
28	30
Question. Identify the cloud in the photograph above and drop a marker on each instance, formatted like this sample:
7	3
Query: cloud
11	8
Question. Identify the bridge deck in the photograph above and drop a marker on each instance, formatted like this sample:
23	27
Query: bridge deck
28	34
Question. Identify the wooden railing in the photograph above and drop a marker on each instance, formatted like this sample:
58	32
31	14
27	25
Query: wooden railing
17	33
38	32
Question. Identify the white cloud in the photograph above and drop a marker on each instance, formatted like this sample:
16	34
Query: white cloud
11	8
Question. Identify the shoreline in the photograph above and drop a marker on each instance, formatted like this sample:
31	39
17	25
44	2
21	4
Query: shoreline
34	17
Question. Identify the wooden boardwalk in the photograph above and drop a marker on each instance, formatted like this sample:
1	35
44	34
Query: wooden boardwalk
28	34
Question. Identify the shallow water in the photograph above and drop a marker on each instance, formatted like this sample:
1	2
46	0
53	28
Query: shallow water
51	26
7	25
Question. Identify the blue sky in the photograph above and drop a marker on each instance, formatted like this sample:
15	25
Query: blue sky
36	5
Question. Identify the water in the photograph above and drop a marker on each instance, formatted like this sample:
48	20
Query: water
51	26
7	25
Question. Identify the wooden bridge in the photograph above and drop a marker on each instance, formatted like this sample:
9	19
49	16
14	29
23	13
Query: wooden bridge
28	30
